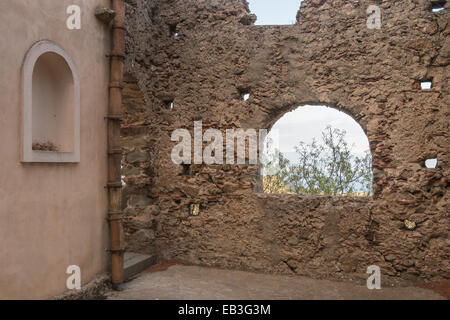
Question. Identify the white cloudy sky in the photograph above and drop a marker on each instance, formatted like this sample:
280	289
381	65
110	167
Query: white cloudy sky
272	12
307	122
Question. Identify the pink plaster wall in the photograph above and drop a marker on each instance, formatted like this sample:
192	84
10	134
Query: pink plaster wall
52	215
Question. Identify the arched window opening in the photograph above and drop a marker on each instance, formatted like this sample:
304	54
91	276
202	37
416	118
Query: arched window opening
316	150
275	12
51	105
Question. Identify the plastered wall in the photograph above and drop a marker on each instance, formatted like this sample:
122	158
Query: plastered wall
52	215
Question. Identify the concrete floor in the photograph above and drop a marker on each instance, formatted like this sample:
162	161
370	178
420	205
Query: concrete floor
198	283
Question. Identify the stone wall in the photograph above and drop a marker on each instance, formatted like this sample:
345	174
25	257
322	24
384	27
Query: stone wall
193	60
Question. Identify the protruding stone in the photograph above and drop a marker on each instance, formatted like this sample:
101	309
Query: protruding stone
248	19
105	15
410	225
140	201
138	156
318	3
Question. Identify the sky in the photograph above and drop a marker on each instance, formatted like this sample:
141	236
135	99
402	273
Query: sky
307	122
275	12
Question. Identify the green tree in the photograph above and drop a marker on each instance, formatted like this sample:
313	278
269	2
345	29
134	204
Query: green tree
276	170
329	168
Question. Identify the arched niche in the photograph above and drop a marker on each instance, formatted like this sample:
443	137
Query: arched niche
51	105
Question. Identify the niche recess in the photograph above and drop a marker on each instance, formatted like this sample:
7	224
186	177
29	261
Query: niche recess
51	105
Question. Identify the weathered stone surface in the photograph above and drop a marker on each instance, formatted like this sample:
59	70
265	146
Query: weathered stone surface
137	156
144	235
131	171
139	201
329	57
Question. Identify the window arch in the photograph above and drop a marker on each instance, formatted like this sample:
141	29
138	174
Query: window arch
317	150
51	105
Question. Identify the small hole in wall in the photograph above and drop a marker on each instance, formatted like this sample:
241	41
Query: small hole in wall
426	85
437	6
194	210
173	30
169	105
431	163
243	92
186	171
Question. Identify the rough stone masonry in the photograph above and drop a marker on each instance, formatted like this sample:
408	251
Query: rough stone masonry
192	60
